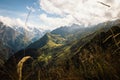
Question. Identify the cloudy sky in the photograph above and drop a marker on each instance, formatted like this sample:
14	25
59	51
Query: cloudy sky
50	14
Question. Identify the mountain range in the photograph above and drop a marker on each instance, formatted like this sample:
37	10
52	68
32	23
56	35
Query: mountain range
69	53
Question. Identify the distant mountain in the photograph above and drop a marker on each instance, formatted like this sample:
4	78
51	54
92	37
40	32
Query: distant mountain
59	36
31	32
67	30
15	38
11	38
15	33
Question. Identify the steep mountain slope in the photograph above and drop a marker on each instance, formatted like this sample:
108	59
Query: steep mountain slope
14	36
17	38
94	57
11	38
5	53
48	40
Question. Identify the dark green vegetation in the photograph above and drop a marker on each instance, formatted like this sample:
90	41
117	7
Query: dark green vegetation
5	52
71	54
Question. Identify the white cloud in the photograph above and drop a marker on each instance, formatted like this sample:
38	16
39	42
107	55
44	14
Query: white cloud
21	23
83	11
87	12
49	7
30	8
56	22
11	21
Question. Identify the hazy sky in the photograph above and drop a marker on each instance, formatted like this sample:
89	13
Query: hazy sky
50	14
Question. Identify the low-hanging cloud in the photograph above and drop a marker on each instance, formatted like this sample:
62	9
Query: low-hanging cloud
21	23
11	21
56	22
